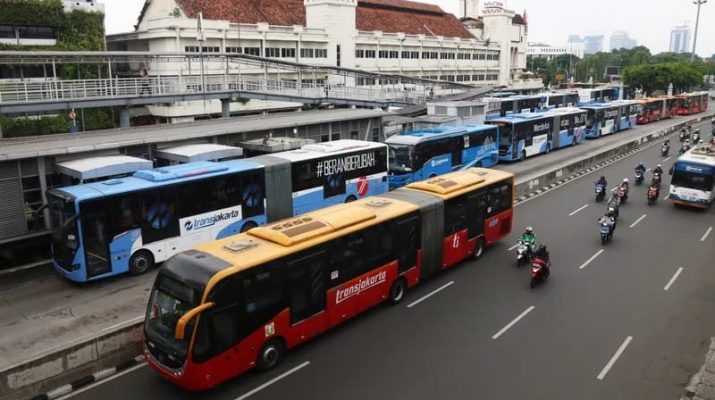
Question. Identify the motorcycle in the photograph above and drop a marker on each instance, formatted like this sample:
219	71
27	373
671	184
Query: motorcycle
613	210
682	135
523	253
683	149
540	270
657	179
696	137
653	193
622	194
664	150
639	177
606	230
600	192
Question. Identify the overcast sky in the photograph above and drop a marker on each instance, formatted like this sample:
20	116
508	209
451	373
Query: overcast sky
551	21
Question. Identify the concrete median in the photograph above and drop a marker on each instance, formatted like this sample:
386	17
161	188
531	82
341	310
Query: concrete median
58	366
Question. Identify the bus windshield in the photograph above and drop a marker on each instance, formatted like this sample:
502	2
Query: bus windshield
692	180
505	136
590	119
169	301
401	157
64	234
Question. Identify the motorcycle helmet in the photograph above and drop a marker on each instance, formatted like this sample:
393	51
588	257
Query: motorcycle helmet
529	229
660	166
542	248
625	180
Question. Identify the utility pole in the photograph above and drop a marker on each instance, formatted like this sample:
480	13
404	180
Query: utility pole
697	22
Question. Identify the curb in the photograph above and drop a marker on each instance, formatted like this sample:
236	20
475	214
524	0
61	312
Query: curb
89	379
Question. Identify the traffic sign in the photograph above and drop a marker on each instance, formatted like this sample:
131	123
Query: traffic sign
73	115
362	186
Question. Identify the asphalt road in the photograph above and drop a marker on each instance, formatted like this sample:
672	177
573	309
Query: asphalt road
603	327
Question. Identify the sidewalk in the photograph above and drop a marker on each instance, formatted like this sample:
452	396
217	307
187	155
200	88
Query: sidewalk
702	385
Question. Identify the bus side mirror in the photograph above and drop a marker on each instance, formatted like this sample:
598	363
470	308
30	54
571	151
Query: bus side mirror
180	329
670	171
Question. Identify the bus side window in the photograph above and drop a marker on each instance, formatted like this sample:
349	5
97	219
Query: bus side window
347	256
159	211
219	328
124	212
252	196
407	235
455	216
381	246
263	296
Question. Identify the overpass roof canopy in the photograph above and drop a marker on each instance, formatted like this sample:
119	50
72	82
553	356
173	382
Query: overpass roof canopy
102	167
199	152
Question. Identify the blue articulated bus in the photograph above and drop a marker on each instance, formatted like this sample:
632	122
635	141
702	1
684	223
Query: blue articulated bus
129	224
423	154
608	118
527	135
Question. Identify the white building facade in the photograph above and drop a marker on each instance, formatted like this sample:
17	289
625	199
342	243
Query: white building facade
388	36
621	40
546	51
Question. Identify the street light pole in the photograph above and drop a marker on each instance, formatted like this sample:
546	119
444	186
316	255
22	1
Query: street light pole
697	22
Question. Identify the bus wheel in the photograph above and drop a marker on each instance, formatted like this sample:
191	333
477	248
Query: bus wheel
140	262
523	155
350	199
270	355
573	142
248	225
397	291
479	249
548	149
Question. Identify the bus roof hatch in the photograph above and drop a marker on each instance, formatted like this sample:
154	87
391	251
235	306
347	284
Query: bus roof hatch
448	184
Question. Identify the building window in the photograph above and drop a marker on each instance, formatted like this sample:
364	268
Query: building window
252	51
233	49
464	56
410	54
337	53
288	52
359	53
383	54
446	56
36	32
478	77
273	52
321	53
191	49
306	53
394	54
7	32
479	56
210	49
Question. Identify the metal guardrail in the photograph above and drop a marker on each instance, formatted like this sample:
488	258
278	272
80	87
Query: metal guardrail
108	88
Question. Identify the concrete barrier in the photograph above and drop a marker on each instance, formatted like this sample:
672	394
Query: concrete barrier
60	366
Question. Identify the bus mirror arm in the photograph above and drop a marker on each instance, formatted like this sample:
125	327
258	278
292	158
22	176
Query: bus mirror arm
180	329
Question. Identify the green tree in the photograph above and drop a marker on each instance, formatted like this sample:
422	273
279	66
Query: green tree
651	77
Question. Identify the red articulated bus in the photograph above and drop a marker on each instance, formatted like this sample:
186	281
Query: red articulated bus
650	110
672	105
693	103
238	303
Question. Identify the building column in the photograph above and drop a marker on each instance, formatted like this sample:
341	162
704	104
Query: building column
42	174
0	131
124	117
225	108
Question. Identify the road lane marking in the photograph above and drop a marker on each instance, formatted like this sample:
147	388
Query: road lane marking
510	324
614	189
513	247
272	381
647	170
103	381
666	159
705	236
613	360
666	196
670	282
577	210
637	221
584	265
430	294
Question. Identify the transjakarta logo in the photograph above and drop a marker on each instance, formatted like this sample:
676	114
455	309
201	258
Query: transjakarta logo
360	286
345	164
542	127
439	161
693	169
209	219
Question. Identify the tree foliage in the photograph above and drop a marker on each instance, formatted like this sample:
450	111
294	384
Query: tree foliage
94	118
651	72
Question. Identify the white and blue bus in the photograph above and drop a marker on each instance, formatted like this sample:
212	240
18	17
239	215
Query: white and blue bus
602	94
608	118
526	135
418	155
128	224
693	177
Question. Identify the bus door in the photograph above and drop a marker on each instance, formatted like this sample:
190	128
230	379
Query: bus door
455	232
95	236
476	212
306	288
457	145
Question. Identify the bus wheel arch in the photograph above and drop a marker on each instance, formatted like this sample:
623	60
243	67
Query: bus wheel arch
271	354
523	155
350	199
478	164
141	262
398	290
248	225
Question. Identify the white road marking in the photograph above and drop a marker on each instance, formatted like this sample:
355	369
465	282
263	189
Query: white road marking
577	210
666	159
705	236
103	381
637	221
598	253
513	247
670	282
613	360
614	189
647	170
666	196
272	381
430	294
510	324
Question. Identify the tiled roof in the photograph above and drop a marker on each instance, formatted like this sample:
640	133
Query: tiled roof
372	15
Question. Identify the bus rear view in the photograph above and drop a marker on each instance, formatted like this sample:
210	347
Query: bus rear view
692	178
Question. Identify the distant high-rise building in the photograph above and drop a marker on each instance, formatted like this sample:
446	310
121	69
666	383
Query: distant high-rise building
621	40
575	45
680	39
593	44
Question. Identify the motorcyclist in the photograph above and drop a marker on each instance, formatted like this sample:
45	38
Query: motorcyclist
656	188
625	185
609	219
685	147
602	181
658	170
640	168
529	238
542	258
